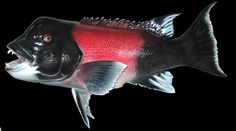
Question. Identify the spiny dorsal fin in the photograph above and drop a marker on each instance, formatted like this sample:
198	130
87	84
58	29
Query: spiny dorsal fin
161	26
111	23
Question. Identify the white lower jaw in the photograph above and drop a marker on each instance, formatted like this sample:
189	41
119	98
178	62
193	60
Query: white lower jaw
23	71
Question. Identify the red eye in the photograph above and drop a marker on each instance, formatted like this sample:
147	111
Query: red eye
47	38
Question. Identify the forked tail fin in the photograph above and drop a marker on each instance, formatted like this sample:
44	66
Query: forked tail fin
201	45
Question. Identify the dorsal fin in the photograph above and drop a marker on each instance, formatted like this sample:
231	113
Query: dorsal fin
161	26
112	23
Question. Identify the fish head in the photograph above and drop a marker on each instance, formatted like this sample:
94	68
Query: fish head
46	52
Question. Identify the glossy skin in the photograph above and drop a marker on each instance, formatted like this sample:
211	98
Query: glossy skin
144	53
99	43
55	48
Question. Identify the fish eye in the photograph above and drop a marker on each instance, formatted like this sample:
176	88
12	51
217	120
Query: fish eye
47	38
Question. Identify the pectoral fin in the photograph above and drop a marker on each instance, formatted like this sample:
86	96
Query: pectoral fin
82	101
99	77
161	81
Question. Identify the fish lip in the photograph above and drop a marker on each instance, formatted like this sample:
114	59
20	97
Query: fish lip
24	58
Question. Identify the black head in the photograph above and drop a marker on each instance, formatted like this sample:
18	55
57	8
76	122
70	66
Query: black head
47	45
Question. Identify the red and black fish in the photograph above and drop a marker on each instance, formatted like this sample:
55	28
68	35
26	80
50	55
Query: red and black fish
94	56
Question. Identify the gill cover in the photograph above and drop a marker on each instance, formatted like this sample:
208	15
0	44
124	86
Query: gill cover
60	54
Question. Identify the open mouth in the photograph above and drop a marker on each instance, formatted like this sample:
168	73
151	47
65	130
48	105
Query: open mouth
17	64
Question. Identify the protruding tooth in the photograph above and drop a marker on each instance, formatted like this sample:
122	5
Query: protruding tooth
6	64
8	51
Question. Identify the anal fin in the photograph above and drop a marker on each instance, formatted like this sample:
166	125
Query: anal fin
161	81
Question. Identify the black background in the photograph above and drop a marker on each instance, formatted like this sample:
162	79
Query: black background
201	100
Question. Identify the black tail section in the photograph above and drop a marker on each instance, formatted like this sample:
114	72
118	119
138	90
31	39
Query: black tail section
201	45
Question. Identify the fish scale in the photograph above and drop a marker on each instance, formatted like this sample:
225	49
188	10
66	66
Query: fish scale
106	42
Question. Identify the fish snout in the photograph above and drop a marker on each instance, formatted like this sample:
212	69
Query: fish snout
17	47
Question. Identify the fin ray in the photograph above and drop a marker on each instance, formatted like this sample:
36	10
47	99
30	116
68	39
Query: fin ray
160	26
82	102
201	45
161	81
100	77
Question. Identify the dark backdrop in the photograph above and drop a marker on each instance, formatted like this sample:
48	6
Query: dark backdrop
201	100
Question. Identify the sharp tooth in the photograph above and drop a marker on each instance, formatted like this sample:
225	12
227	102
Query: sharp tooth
12	53
8	51
6	64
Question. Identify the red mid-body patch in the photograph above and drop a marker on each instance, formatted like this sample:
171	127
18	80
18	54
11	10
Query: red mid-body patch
100	43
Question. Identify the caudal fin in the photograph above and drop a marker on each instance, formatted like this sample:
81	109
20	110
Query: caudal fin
201	45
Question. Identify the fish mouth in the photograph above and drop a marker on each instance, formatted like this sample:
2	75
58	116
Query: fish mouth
23	59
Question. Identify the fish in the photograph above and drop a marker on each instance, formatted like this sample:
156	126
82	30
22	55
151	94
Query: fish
93	56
